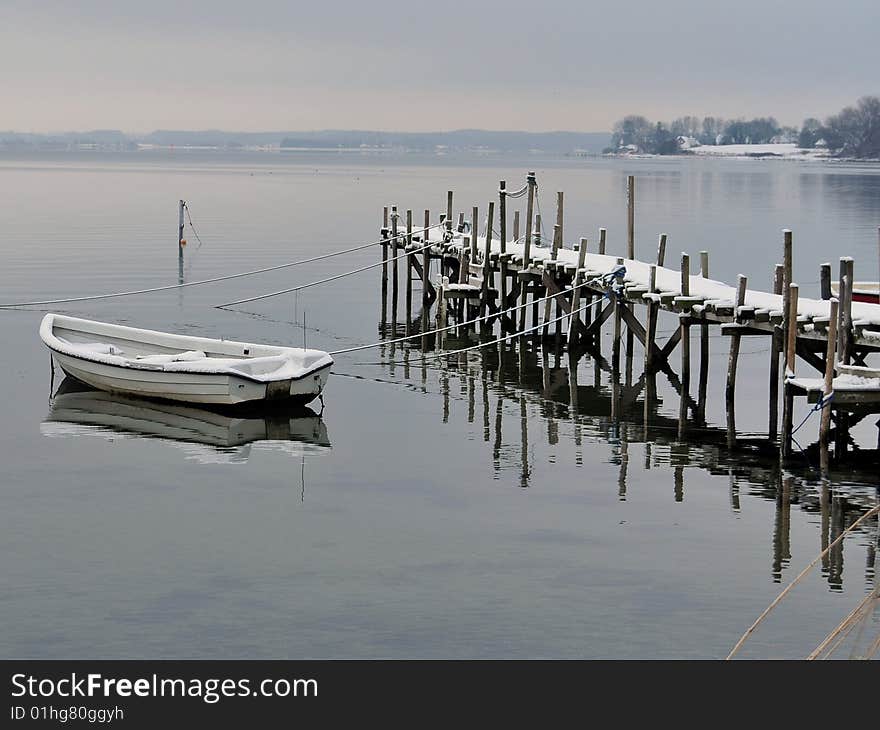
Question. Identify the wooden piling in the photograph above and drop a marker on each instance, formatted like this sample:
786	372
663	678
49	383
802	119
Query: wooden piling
661	250
394	283
732	364
615	345
409	269
685	347
845	291
475	232
830	355
651	328
631	217
426	277
557	239
449	212
487	249
530	210
573	325
825	281
502	230
181	205
702	391
790	350
786	282
516	226
384	235
560	199
602	234
775	352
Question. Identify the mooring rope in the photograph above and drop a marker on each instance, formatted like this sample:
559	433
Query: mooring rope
844	628
228	277
329	278
870	513
504	338
419	335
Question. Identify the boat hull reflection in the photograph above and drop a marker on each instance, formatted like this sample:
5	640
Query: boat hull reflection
206	434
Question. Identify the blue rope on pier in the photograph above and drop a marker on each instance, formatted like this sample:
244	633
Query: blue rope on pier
824	400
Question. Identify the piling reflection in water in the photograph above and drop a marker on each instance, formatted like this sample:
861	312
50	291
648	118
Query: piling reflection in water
207	435
542	387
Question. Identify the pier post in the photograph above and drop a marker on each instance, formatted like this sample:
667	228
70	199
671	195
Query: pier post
631	217
409	270
602	234
557	237
597	339
574	323
684	324
530	210
844	333
704	347
650	336
825	281
181	204
830	355
484	294
426	277
786	286
732	364
502	230
775	350
475	232
449	213
790	350
661	250
394	283
615	345
384	236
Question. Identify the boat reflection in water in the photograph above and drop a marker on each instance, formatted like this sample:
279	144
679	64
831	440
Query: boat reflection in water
207	436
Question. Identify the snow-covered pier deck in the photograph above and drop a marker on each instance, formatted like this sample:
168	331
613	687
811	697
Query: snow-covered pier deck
487	271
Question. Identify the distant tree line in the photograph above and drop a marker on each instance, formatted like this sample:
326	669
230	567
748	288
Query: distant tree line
853	132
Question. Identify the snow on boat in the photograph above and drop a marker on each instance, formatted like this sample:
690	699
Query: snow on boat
863	291
152	364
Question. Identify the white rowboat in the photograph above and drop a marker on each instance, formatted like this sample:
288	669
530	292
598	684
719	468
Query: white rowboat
152	364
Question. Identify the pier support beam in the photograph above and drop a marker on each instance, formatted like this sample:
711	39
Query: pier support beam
732	364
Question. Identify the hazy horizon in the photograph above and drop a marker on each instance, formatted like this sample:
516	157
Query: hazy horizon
391	66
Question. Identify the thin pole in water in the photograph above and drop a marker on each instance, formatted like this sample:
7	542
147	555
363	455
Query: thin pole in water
181	204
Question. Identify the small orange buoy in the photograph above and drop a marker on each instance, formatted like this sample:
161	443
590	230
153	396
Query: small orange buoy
183	242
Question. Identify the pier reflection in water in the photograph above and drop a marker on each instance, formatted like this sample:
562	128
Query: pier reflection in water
206	435
542	390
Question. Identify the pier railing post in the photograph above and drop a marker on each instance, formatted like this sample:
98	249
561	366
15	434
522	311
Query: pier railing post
409	269
790	356
449	213
830	356
484	292
684	324
527	250
426	277
661	250
574	323
394	244
704	348
475	232
825	281
631	217
732	364
502	230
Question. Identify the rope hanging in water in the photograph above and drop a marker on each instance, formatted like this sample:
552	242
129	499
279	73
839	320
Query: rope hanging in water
870	513
228	277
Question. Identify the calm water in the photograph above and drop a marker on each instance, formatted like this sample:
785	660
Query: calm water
472	509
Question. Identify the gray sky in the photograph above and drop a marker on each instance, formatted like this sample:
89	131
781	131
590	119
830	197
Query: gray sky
406	65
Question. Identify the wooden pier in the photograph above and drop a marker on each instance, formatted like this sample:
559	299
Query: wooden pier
503	280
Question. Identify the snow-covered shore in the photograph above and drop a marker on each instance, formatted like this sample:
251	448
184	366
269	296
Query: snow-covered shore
787	151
